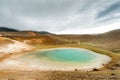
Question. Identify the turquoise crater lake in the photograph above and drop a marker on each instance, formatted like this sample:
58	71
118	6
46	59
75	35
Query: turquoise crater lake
67	55
65	59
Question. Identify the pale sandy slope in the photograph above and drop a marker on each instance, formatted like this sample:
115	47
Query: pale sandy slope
9	46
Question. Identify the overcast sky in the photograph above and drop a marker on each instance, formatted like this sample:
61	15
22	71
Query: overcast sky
61	16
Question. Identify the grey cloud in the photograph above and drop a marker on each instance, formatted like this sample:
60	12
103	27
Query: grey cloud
109	20
114	8
53	15
38	7
46	11
87	5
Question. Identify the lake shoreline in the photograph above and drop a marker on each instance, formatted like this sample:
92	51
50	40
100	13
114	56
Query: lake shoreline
111	69
101	61
44	49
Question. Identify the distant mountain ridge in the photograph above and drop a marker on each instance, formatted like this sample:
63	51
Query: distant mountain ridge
5	29
44	32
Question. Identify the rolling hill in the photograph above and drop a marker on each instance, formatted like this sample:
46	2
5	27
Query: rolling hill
109	40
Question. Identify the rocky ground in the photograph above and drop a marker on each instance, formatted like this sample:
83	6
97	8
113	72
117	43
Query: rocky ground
111	71
60	75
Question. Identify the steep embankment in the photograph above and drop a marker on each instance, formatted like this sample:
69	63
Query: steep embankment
9	46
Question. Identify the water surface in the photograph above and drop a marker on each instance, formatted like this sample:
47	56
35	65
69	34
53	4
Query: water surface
65	59
67	55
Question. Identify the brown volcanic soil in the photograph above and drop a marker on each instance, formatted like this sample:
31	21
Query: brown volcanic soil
109	40
58	75
34	38
5	41
40	40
